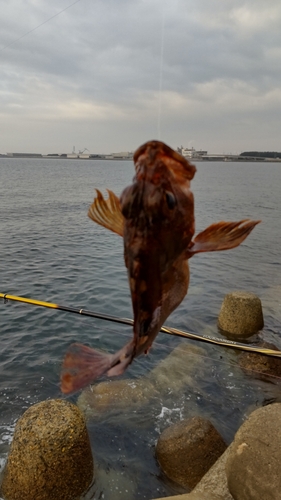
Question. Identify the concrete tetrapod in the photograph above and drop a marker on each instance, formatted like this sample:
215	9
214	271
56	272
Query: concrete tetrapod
188	449
253	463
241	314
50	456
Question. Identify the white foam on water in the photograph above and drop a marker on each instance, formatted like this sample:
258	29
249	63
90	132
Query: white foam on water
3	461
6	433
166	416
6	437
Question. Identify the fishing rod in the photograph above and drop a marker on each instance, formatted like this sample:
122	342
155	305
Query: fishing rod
126	321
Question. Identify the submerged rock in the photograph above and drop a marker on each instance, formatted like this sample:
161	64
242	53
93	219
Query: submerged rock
50	456
173	373
196	496
260	365
177	370
253	464
115	395
112	484
241	314
187	450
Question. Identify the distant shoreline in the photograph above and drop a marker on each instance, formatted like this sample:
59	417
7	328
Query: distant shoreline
207	158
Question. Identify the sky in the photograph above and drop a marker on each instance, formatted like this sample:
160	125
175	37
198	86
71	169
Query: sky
108	75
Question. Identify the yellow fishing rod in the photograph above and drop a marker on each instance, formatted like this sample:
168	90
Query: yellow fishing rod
126	321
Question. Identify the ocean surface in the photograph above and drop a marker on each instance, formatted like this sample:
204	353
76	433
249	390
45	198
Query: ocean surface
51	251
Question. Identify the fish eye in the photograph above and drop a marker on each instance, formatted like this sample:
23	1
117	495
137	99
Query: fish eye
171	200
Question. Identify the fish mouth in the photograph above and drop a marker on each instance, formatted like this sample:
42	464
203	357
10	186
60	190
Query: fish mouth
153	151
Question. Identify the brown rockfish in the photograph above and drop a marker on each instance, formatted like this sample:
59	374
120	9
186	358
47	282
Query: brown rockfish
155	216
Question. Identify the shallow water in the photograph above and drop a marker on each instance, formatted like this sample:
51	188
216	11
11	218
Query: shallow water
50	250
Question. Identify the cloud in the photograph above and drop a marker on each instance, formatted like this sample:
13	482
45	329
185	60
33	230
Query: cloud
96	67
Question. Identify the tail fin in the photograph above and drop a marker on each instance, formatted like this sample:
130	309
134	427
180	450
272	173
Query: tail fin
221	236
81	366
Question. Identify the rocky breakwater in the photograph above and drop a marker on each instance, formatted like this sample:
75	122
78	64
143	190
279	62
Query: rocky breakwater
262	366
249	469
50	456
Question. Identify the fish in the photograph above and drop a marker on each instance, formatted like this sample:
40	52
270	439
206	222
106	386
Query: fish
155	217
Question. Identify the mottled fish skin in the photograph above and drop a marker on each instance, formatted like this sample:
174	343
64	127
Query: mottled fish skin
155	216
158	210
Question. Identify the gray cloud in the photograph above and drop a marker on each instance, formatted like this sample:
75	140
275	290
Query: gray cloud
91	75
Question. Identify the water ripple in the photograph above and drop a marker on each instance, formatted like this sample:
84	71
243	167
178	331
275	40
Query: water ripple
50	250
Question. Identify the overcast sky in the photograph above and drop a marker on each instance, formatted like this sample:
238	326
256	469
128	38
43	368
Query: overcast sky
108	75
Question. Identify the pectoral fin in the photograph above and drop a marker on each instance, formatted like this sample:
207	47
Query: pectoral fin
221	236
107	213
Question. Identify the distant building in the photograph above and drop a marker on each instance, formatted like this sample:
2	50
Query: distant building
24	155
122	155
72	155
191	152
84	156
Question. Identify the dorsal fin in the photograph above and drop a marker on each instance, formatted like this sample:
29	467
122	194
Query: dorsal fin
107	213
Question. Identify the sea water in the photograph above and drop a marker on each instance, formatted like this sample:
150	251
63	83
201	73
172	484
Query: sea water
51	251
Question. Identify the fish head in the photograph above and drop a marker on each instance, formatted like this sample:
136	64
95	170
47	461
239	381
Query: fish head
160	193
158	210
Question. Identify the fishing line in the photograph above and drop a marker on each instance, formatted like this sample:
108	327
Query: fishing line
161	74
39	25
126	321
